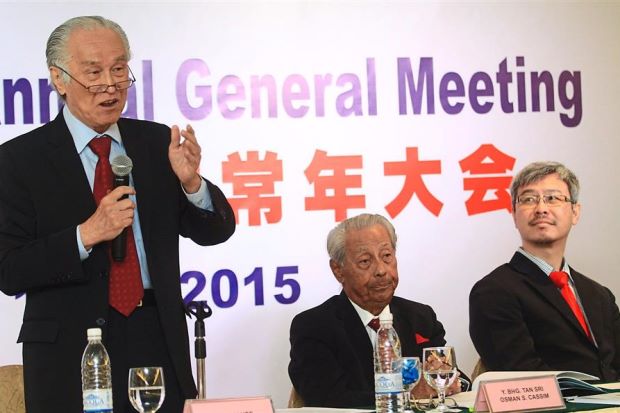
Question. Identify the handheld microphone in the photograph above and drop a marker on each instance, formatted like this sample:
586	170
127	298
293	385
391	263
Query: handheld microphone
121	167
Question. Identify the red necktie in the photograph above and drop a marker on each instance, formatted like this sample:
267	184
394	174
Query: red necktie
374	324
126	289
560	279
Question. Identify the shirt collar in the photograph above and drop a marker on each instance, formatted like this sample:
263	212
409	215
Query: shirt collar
366	316
542	264
82	134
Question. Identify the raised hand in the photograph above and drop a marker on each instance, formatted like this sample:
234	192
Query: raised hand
185	157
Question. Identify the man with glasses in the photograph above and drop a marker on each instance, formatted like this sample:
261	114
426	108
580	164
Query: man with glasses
59	213
536	312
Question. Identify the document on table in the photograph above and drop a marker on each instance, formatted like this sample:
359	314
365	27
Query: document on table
605	398
465	399
568	377
468	399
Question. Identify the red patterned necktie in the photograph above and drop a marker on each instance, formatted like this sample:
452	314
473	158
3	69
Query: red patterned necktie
374	324
560	279
126	289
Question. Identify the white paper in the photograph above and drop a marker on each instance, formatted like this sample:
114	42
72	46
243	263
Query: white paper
505	375
464	399
606	398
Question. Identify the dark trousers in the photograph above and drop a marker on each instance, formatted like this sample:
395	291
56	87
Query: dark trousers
138	341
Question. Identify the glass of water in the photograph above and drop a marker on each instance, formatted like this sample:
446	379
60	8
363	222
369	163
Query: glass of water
146	388
411	375
440	371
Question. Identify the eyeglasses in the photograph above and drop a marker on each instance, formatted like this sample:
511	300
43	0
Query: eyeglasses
122	85
549	200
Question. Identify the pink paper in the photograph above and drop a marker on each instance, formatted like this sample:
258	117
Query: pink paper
523	394
246	405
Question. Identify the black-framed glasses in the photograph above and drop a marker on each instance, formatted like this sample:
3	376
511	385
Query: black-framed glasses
122	85
549	200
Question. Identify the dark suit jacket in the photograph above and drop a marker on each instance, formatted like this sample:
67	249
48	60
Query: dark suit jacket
44	195
332	362
518	320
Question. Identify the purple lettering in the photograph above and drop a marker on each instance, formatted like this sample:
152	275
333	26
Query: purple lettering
504	78
268	84
131	107
230	90
574	80
21	86
295	88
320	84
521	101
372	86
475	93
445	92
354	94
201	92
147	89
538	80
45	92
415	91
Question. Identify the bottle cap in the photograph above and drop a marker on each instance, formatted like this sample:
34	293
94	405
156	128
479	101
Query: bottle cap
93	333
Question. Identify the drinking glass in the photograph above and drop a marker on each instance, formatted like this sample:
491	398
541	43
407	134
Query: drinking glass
439	369
411	375
146	388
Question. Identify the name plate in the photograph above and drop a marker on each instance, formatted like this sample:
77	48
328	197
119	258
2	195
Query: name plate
239	405
519	395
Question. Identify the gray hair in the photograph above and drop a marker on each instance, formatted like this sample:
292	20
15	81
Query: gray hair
56	50
536	171
337	236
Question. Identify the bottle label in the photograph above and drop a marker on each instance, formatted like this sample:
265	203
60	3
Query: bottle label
388	383
97	401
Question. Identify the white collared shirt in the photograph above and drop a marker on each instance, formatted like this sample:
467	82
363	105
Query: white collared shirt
365	318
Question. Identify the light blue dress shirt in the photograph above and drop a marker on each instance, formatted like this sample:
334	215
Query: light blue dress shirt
82	135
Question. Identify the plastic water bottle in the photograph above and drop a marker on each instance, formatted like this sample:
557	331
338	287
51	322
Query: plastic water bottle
388	368
96	375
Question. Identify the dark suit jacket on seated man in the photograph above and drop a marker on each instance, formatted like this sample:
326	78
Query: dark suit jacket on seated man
55	232
519	320
331	345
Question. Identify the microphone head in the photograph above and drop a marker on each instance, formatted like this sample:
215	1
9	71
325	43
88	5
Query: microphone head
121	165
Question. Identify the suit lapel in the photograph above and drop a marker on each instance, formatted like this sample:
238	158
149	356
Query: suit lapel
590	303
138	151
542	285
404	331
67	164
356	332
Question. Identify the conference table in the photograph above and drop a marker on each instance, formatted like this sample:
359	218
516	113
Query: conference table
570	407
465	402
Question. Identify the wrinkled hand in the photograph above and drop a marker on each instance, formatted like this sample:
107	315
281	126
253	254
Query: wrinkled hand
423	390
111	217
454	387
185	157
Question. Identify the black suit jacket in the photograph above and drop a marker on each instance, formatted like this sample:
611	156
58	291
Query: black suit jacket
518	320
44	195
331	355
